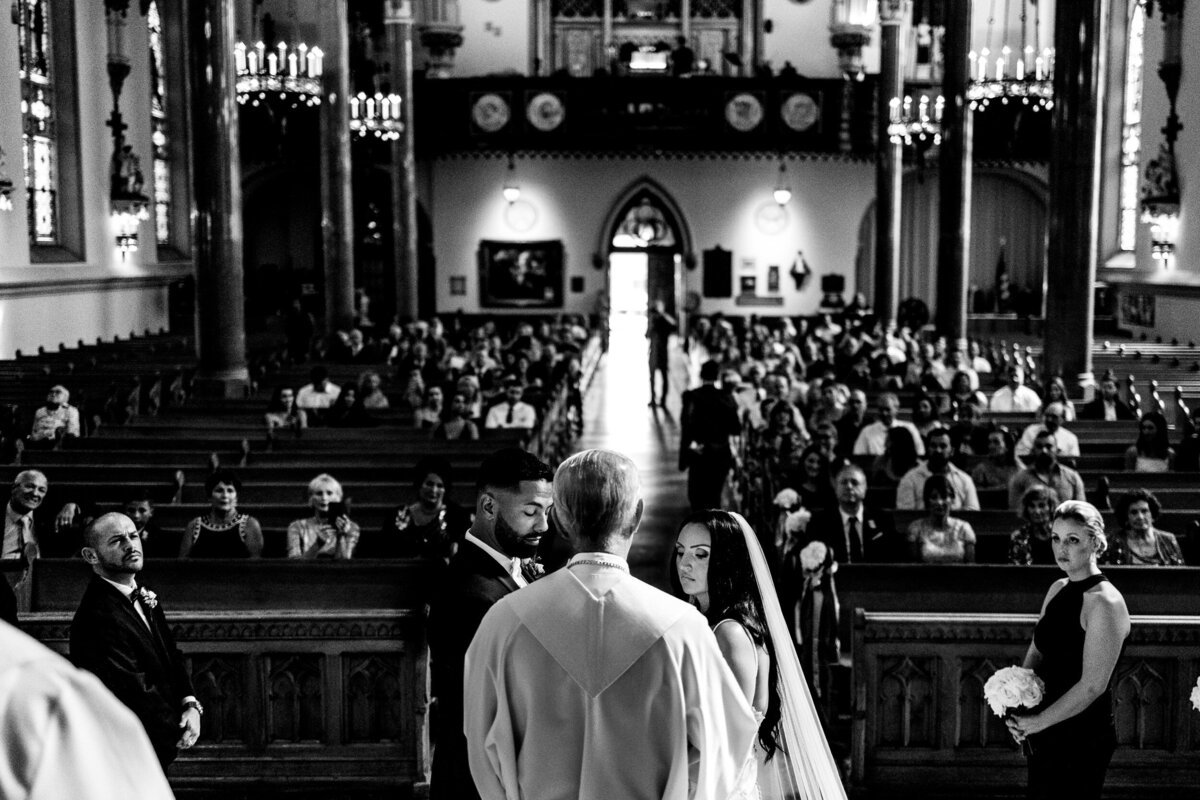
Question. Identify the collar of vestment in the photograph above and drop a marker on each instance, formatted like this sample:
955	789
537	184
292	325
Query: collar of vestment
599	559
595	639
510	564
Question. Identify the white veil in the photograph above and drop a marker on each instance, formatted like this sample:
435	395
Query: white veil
803	768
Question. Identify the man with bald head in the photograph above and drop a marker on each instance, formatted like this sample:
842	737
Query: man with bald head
592	684
121	634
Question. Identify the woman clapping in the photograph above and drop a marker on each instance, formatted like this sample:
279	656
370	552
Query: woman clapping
1076	645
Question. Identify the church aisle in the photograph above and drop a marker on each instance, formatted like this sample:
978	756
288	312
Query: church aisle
617	417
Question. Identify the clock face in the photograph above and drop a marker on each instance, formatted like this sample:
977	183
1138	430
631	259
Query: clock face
490	112
545	112
744	112
800	112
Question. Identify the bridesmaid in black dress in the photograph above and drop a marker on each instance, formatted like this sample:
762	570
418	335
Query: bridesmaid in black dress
1076	645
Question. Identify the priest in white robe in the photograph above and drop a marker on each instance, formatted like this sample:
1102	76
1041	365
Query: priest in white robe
592	684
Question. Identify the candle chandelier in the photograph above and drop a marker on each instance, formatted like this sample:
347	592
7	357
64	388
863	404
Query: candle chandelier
377	114
1024	73
917	123
6	184
288	74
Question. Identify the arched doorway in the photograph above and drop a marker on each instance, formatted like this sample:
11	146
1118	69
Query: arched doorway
1008	228
644	242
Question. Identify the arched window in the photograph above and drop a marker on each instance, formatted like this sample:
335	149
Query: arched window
39	112
159	127
644	224
1131	124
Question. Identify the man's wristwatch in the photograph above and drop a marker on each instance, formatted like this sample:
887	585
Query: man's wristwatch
193	703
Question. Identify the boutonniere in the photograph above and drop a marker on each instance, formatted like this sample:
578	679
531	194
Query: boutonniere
148	598
403	518
532	569
442	520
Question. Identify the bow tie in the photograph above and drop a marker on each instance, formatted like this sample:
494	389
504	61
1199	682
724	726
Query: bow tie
147	597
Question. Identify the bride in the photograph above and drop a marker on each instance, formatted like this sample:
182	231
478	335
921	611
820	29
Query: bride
721	568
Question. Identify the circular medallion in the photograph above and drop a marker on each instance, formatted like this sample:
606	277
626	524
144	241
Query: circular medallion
744	112
800	112
490	112
770	218
545	112
520	215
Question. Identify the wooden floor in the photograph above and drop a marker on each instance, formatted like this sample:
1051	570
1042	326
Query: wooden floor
617	417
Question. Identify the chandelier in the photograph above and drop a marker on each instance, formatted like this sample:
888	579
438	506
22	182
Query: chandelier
290	74
378	114
997	76
919	123
6	184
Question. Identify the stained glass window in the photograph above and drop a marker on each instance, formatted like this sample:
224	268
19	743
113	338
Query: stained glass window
1131	125
34	41
158	123
644	224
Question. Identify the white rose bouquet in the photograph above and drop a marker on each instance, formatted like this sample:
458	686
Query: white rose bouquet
1196	695
787	499
1013	687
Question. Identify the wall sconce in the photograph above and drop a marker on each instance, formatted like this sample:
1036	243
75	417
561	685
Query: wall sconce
128	215
511	189
6	184
782	192
1160	185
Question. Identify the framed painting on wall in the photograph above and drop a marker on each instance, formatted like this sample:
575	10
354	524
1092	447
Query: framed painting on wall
521	274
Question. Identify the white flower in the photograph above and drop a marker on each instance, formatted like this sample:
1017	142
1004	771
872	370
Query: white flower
1013	687
797	521
1196	695
787	498
149	598
813	556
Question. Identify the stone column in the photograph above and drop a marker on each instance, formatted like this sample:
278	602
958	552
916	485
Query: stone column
398	19
954	179
1080	56
337	210
889	162
217	189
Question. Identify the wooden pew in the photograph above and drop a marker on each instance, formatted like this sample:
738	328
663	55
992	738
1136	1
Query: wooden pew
921	727
313	671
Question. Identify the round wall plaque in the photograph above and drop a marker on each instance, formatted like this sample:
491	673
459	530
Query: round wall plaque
545	112
800	112
744	112
490	112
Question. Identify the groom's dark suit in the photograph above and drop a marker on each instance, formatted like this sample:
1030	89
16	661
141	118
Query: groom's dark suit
470	586
143	669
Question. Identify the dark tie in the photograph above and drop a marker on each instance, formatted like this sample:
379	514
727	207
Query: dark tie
853	540
508	419
138	600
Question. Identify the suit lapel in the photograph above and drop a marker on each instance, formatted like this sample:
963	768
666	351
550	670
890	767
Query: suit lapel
483	564
125	611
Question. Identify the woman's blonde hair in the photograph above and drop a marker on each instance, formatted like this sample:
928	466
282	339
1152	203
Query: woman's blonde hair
325	479
1087	515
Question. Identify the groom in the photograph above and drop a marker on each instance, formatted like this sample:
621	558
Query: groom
592	684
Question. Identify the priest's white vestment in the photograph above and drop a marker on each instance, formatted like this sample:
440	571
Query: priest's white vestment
592	685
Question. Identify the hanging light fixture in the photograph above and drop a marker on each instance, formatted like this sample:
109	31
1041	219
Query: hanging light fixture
378	114
917	123
6	184
128	217
1028	79
511	189
289	73
782	192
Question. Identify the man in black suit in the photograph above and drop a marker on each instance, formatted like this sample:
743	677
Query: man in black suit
1108	404
853	531
121	634
710	425
511	515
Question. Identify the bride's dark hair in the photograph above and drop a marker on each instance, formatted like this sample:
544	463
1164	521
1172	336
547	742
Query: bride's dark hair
733	594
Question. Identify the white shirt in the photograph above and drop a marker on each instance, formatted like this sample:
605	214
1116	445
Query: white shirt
910	494
510	564
309	397
872	439
1023	399
1068	443
64	733
127	593
593	680
18	530
523	415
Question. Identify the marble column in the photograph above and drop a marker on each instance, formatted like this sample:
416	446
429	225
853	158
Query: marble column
1080	55
954	179
217	189
398	19
337	209
889	162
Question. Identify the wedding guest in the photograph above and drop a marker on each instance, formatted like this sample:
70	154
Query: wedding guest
1055	391
925	417
282	411
329	532
1030	543
430	527
1076	644
1044	468
222	532
348	410
315	397
871	438
1152	452
370	389
54	421
998	467
1015	395
511	517
456	426
937	462
1138	541
854	531
429	415
647	686
1052	416
1108	405
139	507
511	412
810	478
939	538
